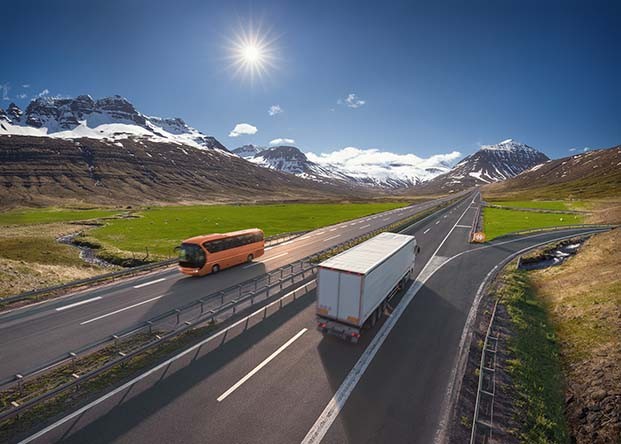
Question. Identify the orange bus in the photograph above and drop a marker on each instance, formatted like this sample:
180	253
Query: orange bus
201	255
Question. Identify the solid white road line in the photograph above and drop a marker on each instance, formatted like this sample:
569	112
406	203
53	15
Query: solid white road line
364	226
463	226
261	365
437	222
332	237
150	283
142	376
78	303
427	231
305	237
336	404
319	234
333	229
120	310
275	257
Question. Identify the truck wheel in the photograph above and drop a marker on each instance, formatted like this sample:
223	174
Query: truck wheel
215	268
250	257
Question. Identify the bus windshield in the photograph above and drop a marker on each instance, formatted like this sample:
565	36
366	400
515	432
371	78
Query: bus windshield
191	255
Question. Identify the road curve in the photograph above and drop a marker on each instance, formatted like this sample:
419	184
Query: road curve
284	374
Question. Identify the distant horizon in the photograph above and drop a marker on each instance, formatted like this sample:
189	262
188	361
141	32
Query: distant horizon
452	157
411	78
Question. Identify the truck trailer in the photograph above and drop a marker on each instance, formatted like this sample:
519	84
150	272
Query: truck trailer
355	286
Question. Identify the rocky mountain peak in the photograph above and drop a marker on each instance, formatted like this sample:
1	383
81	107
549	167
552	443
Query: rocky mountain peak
14	111
283	152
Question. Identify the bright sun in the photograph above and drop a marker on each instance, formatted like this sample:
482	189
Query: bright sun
252	53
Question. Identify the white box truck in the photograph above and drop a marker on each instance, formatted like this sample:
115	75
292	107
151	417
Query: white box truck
355	286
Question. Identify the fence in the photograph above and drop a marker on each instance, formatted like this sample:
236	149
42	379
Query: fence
270	241
216	307
486	389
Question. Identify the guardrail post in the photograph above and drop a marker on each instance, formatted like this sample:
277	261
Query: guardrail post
73	358
280	284
222	297
252	298
178	312
281	270
116	341
256	283
20	383
202	305
240	290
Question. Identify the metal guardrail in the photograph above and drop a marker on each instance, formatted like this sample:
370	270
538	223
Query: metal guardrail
174	322
486	388
269	241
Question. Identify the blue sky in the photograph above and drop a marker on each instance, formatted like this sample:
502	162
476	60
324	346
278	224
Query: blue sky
433	78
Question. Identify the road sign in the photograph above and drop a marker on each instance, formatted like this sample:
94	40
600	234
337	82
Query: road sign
478	237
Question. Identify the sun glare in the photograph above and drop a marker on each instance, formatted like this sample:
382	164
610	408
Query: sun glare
252	53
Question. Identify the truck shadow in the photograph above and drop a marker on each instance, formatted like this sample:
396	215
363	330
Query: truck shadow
399	397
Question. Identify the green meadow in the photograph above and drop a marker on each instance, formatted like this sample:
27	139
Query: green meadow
537	204
498	221
162	228
50	215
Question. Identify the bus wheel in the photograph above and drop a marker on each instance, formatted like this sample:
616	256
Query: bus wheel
250	257
215	268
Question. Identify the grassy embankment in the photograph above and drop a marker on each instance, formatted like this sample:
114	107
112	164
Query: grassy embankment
567	345
31	258
500	221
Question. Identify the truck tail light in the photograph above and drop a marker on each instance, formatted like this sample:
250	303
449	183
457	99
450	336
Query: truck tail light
355	334
322	325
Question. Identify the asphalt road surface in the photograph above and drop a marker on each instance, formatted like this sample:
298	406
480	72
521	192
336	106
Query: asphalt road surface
34	335
284	382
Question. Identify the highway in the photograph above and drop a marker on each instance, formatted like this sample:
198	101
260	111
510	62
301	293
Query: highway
32	336
283	382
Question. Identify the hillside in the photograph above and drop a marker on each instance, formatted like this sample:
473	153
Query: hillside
44	171
491	163
593	174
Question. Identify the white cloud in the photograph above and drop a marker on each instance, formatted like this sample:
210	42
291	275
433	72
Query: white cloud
282	141
4	91
243	128
586	148
26	85
352	101
45	92
274	109
572	150
22	96
383	165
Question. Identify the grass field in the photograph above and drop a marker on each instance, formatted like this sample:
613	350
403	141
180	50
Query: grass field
538	204
50	215
535	368
498	221
161	229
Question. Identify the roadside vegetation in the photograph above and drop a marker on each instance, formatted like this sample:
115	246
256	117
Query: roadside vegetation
535	367
538	204
583	299
499	221
31	257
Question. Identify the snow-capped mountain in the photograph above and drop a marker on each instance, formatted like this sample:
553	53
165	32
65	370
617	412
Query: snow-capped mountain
290	159
491	163
111	118
351	165
248	151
